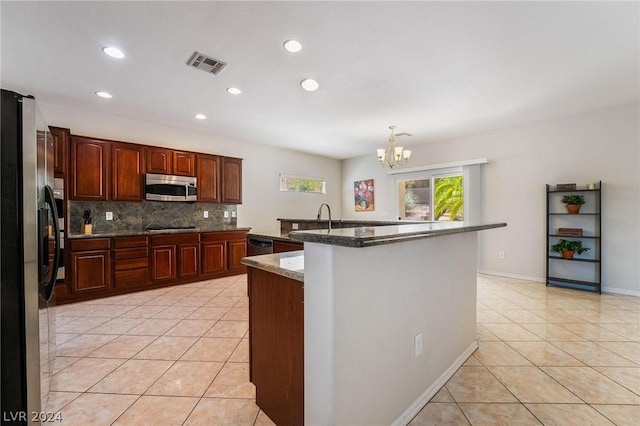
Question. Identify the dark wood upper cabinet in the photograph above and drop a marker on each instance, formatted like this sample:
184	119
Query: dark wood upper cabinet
169	162
159	160
102	170
89	169
184	163
208	174
231	180
60	149
127	172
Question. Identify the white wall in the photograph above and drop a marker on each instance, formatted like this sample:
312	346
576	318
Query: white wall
598	145
262	203
361	317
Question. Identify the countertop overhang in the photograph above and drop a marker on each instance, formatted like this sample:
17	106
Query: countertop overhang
289	264
367	236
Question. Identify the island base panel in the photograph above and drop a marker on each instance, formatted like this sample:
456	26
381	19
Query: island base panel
276	340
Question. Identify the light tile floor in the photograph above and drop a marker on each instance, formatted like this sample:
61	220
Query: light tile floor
546	356
179	356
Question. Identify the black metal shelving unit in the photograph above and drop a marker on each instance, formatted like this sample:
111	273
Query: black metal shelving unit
581	272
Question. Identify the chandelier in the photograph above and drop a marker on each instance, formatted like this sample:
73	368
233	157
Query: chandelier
394	155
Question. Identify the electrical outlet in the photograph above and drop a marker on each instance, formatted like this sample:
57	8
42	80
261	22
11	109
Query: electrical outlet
109	216
233	213
500	255
294	226
417	345
226	215
206	214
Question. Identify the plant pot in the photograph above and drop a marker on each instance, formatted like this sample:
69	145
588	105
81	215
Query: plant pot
573	208
567	254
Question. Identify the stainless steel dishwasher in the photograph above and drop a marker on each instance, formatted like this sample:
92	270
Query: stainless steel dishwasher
259	245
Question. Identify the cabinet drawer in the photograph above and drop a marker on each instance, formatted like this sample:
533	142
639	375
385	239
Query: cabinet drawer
134	277
159	240
90	244
132	253
223	236
125	264
126	242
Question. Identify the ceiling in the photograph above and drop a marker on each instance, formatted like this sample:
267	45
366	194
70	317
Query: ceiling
434	69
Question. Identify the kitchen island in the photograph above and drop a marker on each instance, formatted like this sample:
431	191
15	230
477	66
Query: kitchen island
389	315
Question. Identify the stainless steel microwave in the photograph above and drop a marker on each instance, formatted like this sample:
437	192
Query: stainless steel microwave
170	188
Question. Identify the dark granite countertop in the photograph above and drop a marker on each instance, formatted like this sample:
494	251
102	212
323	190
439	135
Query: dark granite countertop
354	221
289	264
270	236
376	235
133	233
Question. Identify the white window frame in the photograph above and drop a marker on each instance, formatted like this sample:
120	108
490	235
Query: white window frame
287	176
470	171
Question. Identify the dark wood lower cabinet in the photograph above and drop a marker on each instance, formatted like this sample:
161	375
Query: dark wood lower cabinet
100	267
276	345
237	250
163	263
214	257
189	260
222	252
130	262
90	266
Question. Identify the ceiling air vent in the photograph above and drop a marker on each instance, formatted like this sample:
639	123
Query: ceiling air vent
206	63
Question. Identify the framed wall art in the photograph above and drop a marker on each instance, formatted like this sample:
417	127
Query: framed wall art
363	195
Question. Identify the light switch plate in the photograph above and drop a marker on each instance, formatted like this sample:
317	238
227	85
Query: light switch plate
233	213
226	215
109	216
206	214
294	226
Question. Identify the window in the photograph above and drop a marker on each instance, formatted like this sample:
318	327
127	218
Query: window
414	198
440	192
445	192
289	183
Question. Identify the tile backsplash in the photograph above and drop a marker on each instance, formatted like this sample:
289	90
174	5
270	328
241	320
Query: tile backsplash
129	216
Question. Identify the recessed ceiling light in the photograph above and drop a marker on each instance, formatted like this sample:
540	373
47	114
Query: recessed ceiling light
292	46
114	52
309	84
234	90
104	94
200	116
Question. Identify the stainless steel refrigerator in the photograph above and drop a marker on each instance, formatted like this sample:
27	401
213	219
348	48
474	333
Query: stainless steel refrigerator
29	260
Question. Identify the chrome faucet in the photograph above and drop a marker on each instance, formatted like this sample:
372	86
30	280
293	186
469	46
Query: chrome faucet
328	210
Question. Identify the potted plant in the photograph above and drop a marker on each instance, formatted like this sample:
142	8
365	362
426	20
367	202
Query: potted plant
568	247
573	202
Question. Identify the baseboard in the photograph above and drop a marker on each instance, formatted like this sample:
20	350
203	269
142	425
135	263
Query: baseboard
605	289
426	396
514	276
617	290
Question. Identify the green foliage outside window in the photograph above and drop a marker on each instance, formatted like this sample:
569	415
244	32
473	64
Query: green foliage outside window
301	184
449	198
